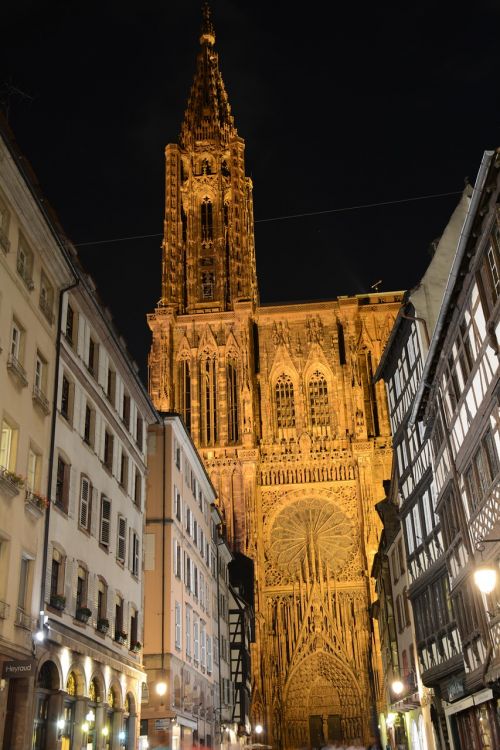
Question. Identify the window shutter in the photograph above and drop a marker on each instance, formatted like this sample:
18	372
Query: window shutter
122	539
68	587
136	568
105	521
85	491
48	572
71	484
90	593
94	511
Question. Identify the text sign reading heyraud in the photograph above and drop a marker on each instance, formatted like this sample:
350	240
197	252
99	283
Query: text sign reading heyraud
13	669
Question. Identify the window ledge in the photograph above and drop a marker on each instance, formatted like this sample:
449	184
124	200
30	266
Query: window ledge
17	370
41	400
8	486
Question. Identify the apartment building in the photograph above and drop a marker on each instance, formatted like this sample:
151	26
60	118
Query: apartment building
224	687
89	672
33	272
437	648
182	651
458	401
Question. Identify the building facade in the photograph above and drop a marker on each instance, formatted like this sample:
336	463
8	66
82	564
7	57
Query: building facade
280	403
89	664
459	406
32	272
73	462
184	594
437	639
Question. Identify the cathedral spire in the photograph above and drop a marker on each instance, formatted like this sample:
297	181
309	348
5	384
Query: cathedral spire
207	27
208	115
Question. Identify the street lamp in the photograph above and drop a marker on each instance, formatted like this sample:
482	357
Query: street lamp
161	688
485	578
397	687
485	574
258	729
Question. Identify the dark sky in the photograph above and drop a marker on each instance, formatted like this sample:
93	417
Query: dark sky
339	104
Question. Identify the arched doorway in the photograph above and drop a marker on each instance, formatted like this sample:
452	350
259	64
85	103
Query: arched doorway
323	703
47	692
90	739
129	723
112	719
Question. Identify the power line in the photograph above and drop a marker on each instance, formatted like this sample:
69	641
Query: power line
291	216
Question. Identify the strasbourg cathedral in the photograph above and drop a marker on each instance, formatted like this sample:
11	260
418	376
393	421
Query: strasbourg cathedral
280	402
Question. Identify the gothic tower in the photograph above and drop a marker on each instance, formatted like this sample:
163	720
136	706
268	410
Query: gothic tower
280	402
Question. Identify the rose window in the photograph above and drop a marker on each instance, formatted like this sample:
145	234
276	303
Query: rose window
312	532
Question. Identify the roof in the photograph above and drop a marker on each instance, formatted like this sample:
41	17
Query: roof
465	248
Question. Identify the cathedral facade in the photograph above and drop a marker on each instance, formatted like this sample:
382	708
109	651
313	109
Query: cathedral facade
280	402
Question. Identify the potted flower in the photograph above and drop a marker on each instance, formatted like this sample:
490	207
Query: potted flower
10	482
37	499
58	601
103	625
120	636
83	613
136	647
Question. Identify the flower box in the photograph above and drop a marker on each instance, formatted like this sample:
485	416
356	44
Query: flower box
82	614
102	625
136	647
10	483
58	601
121	636
35	503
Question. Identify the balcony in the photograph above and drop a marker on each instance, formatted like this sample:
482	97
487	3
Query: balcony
17	370
41	400
23	620
408	698
4	610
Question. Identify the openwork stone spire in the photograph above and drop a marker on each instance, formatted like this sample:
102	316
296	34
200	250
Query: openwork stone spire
208	114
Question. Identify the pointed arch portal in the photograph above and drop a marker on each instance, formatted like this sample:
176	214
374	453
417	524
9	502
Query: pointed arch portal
322	703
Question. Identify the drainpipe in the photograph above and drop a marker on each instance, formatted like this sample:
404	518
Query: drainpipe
52	441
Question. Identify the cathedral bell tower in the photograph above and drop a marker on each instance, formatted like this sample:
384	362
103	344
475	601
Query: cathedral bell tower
280	402
208	246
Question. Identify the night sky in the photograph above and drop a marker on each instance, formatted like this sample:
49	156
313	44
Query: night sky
339	105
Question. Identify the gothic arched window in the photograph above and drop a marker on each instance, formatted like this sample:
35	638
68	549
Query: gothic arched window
184	372
208	400
284	401
207	226
233	431
317	391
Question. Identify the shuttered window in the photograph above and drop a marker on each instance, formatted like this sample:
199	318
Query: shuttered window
85	503
121	547
177	625
135	554
105	521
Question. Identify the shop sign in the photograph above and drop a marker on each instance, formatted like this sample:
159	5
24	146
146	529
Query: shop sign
22	668
455	689
162	724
